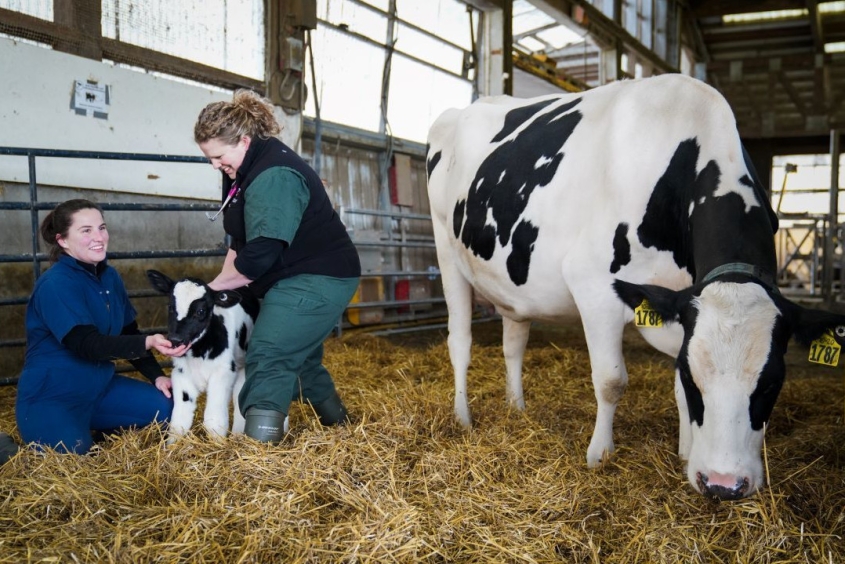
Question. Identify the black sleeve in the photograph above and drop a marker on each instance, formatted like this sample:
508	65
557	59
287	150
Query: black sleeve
87	342
256	257
146	364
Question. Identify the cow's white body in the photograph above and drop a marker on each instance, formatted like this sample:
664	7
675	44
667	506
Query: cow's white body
610	165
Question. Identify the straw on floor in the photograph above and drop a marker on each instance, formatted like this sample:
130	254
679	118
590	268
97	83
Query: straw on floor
404	483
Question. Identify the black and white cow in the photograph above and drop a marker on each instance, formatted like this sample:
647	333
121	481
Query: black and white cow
217	326
559	206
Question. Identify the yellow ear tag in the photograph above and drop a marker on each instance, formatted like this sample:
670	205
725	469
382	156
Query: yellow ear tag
644	316
825	350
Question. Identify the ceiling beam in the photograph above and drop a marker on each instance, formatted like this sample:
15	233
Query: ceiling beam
601	27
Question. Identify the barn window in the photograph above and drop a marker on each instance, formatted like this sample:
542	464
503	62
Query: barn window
225	34
426	70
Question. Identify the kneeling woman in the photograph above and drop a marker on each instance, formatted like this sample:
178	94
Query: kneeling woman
78	320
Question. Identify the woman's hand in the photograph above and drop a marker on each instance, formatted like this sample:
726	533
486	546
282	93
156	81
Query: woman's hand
160	343
164	385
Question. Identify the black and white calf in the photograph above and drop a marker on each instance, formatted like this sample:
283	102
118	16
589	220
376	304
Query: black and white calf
545	206
217	326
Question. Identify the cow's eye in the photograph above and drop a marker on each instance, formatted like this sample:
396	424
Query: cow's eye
201	312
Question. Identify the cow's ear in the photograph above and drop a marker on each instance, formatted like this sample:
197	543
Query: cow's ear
227	298
668	303
810	324
160	282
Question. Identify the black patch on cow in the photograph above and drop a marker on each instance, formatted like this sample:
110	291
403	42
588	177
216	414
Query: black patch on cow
505	181
759	190
517	117
214	342
666	223
186	397
232	366
519	260
762	400
695	402
719	231
621	248
458	217
432	162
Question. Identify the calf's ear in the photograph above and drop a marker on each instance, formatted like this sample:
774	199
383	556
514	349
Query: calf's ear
160	282
668	303
227	298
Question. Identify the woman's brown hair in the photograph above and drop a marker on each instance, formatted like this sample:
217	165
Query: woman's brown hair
247	114
58	222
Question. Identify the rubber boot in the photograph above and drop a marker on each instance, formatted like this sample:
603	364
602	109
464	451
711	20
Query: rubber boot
265	425
8	448
331	411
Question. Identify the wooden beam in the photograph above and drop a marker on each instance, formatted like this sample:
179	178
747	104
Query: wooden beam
791	92
83	16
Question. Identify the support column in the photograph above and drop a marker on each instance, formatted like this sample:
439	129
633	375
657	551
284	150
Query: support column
832	221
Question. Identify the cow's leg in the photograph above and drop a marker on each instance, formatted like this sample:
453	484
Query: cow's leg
514	341
184	405
216	417
238	421
458	294
603	332
684	425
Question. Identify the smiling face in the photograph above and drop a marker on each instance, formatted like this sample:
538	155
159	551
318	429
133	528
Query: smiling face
87	238
224	157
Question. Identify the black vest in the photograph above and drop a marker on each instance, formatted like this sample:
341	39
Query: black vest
321	244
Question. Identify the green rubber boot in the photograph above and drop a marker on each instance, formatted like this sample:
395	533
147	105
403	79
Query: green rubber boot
331	411
265	425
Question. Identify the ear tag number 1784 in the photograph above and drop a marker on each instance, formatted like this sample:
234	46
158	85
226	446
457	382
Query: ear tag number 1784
644	316
825	350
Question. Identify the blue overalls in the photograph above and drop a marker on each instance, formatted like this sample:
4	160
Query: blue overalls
61	396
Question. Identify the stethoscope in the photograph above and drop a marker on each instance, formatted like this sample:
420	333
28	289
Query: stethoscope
232	191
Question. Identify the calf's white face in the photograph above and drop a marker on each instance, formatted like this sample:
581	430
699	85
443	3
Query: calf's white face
190	312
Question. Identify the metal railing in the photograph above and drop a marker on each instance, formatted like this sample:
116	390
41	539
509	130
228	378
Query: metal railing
395	323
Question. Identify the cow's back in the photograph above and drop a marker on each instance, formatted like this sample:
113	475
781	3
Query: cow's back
531	193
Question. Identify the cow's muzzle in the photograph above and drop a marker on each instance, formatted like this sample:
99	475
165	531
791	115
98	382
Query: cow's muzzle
719	487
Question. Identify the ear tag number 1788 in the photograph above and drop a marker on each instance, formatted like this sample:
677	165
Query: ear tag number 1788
825	350
644	316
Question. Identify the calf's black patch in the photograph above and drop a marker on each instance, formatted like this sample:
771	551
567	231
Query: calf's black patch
505	181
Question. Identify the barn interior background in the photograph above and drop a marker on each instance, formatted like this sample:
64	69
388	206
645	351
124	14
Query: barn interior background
100	98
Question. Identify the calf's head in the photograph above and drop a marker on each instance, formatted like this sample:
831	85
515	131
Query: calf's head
191	307
731	368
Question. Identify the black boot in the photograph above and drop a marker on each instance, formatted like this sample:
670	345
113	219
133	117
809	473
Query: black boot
8	448
331	411
265	425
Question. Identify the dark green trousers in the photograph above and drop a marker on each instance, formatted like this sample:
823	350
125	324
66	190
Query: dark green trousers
284	361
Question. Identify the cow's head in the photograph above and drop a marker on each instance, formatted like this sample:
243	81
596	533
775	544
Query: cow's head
731	368
192	302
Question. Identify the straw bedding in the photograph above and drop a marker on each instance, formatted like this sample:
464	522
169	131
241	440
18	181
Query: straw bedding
405	484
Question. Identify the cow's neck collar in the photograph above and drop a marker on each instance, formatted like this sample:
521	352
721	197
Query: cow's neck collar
760	274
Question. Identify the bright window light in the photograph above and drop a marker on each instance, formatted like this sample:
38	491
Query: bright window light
559	36
831	7
765	16
531	44
837	47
